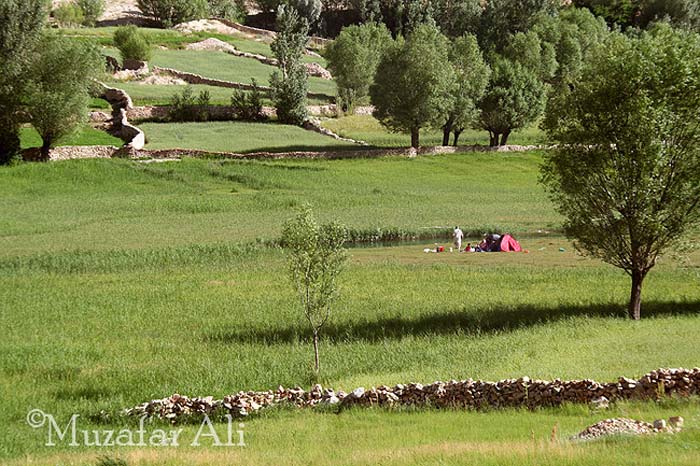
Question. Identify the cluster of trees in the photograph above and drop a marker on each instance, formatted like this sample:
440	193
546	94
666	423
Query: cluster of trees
497	74
45	79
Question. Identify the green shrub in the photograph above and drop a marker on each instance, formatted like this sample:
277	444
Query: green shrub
92	10
185	106
69	14
248	106
171	12
132	43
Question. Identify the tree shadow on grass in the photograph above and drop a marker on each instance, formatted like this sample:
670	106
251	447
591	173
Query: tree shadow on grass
453	322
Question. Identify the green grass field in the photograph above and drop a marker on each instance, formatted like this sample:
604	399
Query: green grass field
87	136
219	65
121	282
368	129
236	137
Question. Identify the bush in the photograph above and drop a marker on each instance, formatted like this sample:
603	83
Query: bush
92	10
234	10
248	106
132	43
187	107
69	14
171	12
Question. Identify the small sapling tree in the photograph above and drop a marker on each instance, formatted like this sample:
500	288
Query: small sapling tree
316	257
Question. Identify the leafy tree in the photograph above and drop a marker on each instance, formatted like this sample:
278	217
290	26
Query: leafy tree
132	43
533	53
308	9
685	13
316	258
59	90
22	22
514	98
92	10
625	173
171	12
619	12
503	18
414	83
290	83
69	15
457	17
353	58
370	11
472	76
574	34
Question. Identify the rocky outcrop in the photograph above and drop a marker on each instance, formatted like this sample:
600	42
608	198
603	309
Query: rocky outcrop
133	137
464	394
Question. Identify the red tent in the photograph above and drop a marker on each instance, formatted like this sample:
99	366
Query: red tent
509	244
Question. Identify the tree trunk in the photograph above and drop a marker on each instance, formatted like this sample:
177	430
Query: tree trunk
494	139
415	138
504	138
457	134
45	148
317	364
9	141
635	307
446	130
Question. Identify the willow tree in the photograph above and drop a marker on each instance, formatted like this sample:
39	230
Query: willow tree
22	22
626	173
414	83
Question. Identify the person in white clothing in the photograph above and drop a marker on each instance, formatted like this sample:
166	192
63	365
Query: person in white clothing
457	236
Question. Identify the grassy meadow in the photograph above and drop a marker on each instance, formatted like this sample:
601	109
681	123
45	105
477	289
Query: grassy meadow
236	136
122	281
86	136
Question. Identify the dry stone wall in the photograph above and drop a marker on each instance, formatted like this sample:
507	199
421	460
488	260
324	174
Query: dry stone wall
464	394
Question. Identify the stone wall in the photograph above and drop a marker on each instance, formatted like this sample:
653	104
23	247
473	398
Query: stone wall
463	394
